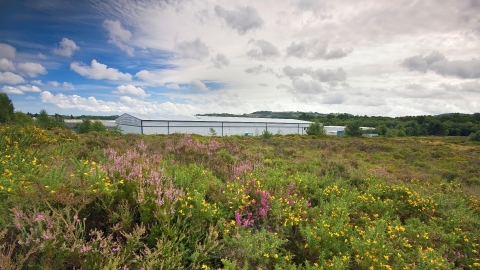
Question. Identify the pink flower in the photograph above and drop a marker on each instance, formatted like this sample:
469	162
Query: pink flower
39	217
75	217
17	225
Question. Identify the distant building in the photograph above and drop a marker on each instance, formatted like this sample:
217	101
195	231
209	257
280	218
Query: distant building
206	125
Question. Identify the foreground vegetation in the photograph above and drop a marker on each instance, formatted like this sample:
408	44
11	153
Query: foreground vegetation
110	201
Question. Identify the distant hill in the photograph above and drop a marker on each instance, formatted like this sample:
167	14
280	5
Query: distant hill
267	114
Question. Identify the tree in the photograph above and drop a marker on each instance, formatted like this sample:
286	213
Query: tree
43	120
98	126
474	137
84	127
353	129
316	129
23	119
6	109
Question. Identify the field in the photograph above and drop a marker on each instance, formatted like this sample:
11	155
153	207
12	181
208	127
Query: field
109	201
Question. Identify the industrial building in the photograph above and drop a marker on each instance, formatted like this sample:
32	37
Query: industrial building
208	125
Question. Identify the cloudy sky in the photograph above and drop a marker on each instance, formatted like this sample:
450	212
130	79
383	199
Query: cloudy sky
372	57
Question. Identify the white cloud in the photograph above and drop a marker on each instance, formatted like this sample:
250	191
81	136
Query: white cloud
10	78
31	69
119	36
41	56
130	90
437	62
197	84
37	82
172	86
241	19
220	60
195	49
7	51
67	48
53	83
315	49
263	51
126	104
20	90
6	64
98	71
68	86
12	90
150	77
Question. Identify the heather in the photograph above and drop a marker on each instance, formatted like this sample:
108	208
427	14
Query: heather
111	201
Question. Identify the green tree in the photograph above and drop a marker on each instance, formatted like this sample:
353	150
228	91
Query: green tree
6	109
84	127
98	126
316	129
353	129
474	137
23	119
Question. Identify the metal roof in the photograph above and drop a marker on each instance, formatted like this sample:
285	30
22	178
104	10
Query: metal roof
186	118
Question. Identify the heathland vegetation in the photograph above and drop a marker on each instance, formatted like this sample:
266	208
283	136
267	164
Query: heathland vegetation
103	200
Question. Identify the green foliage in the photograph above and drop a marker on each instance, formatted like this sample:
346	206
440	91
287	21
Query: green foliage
23	119
474	137
192	202
267	134
353	129
46	122
6	109
212	132
87	126
316	129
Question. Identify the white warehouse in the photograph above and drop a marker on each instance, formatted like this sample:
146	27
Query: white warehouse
204	125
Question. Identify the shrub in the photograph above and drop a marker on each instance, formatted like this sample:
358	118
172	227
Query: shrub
474	137
6	109
267	134
353	129
316	129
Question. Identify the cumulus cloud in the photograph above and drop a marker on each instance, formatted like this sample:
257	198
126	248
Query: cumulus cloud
439	64
20	90
241	19
303	87
263	51
220	60
259	69
197	84
67	48
172	86
150	77
315	49
53	83
87	104
195	49
98	71
330	75
31	69
414	86
130	90
126	104
470	86
37	82
10	78
68	86
119	36
6	64
295	72
7	51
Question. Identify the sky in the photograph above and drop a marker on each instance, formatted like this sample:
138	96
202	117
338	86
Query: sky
187	57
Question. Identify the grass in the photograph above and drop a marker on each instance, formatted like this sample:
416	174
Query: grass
105	201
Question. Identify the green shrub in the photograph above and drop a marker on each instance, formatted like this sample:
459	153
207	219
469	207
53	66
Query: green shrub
474	137
316	129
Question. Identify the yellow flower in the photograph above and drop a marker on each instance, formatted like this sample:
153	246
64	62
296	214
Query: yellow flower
275	256
265	255
52	191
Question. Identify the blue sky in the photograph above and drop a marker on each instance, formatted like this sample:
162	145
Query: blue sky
186	57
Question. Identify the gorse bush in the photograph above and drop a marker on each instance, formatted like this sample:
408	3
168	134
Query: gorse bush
185	201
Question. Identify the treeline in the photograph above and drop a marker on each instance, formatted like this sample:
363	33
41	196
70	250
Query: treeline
45	121
454	124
